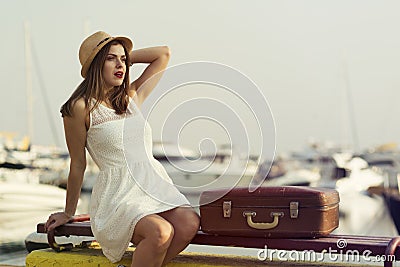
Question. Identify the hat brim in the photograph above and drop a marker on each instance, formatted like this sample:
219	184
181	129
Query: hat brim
125	40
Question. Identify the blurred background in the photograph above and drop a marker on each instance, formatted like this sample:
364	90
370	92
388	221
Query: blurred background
328	70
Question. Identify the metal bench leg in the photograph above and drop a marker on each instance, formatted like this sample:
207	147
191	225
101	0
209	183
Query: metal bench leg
391	250
53	244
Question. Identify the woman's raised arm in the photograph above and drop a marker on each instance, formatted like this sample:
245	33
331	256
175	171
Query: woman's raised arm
158	58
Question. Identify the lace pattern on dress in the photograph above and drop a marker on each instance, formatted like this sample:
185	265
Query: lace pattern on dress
103	114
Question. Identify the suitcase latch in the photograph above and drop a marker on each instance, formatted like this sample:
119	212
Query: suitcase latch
227	209
294	210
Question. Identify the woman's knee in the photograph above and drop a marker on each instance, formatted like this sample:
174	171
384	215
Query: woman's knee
161	236
155	231
190	225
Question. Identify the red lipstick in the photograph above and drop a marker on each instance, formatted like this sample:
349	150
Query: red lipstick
119	74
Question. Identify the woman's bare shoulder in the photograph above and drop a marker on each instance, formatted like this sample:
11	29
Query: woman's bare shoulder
79	107
80	112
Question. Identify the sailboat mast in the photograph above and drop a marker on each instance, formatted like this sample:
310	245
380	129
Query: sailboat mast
350	103
28	80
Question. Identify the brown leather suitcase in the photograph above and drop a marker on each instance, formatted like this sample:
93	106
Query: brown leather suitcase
275	212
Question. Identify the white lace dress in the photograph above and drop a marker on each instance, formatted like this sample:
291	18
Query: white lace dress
131	183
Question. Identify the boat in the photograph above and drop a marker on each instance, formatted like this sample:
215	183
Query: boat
193	173
387	158
163	151
287	172
357	202
389	163
392	198
14	155
361	176
352	175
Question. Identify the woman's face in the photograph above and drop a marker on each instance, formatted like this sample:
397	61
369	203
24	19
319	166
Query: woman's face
114	67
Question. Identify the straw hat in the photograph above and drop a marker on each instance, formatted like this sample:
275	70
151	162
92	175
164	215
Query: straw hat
93	44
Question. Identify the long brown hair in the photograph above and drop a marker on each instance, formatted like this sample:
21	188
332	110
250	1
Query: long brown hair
92	87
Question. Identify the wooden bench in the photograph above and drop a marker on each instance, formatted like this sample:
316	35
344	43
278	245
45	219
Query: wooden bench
375	246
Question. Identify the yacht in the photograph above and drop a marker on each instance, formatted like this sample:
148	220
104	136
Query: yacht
193	173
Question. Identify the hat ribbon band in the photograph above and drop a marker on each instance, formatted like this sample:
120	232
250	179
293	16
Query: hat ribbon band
102	41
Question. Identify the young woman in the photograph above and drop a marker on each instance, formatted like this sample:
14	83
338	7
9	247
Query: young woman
133	199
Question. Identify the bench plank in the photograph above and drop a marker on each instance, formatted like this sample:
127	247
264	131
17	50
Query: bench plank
341	243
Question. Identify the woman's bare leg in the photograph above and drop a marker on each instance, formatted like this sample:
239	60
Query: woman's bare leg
153	236
185	222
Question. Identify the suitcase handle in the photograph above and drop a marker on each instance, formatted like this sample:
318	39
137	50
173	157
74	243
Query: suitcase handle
262	226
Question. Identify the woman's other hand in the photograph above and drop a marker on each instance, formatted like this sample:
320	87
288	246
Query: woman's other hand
57	219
